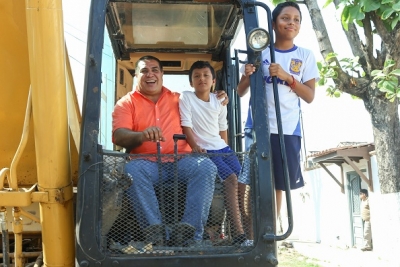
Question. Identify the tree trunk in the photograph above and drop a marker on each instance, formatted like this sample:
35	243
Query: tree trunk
386	129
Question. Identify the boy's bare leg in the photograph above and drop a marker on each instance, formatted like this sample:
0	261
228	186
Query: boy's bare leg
278	196
231	197
245	209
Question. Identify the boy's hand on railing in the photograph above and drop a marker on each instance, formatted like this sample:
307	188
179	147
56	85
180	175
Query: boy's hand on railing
198	149
249	70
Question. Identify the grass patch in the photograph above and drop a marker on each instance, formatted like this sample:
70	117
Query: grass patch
288	257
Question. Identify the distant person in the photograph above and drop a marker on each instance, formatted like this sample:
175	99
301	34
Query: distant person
203	119
365	216
143	117
296	71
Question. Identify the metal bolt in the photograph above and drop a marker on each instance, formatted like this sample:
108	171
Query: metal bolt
271	259
115	263
84	264
92	61
240	259
86	156
257	258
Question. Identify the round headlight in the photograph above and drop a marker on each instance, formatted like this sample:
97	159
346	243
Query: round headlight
258	39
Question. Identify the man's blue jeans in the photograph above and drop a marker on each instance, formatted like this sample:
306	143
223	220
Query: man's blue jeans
199	173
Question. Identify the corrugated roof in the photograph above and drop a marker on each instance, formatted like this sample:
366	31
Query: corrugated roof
341	146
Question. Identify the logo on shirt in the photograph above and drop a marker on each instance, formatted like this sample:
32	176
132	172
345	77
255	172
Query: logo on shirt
266	62
295	66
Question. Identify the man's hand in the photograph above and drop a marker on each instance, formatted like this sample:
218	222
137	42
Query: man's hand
153	134
222	95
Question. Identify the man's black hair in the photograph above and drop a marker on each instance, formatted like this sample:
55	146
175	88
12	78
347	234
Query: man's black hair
279	7
148	57
201	65
364	191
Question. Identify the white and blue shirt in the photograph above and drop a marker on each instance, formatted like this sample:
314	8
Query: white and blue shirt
300	63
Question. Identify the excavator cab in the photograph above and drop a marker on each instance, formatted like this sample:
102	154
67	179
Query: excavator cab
109	220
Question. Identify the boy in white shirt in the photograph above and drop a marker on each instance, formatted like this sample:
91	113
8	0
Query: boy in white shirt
203	119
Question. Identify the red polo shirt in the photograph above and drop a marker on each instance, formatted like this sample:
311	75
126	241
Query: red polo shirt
136	112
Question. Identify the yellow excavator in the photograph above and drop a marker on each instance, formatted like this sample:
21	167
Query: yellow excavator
62	181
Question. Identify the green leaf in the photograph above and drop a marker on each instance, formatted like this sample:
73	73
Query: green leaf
375	72
371	5
395	72
332	64
394	22
389	86
356	13
327	3
391	97
386	2
396	6
322	81
330	56
345	17
319	65
276	2
387	13
389	63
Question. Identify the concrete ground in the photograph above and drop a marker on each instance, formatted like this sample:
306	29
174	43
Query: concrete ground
329	256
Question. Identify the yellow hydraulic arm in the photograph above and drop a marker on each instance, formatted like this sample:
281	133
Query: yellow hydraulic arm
40	120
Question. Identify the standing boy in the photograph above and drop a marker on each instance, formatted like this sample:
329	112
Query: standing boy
296	72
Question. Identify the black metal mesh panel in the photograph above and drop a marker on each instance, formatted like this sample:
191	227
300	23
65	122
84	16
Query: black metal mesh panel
151	205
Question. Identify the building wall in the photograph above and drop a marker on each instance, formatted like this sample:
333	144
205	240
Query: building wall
323	215
385	219
321	210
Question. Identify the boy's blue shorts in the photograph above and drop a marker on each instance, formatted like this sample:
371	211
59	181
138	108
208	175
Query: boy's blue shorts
292	147
226	164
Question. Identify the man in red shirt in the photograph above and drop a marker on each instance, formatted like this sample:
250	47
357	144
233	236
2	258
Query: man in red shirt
143	117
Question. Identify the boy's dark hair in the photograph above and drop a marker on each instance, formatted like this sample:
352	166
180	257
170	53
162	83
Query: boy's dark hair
364	191
279	7
201	65
148	57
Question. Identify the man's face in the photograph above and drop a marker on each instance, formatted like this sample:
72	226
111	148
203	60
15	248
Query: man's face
150	77
362	196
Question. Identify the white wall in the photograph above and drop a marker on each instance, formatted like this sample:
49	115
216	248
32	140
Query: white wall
385	220
321	211
323	215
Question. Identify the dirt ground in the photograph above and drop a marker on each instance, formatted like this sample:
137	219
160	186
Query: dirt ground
289	257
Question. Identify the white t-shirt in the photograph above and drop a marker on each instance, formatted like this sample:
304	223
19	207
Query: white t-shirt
300	63
206	119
